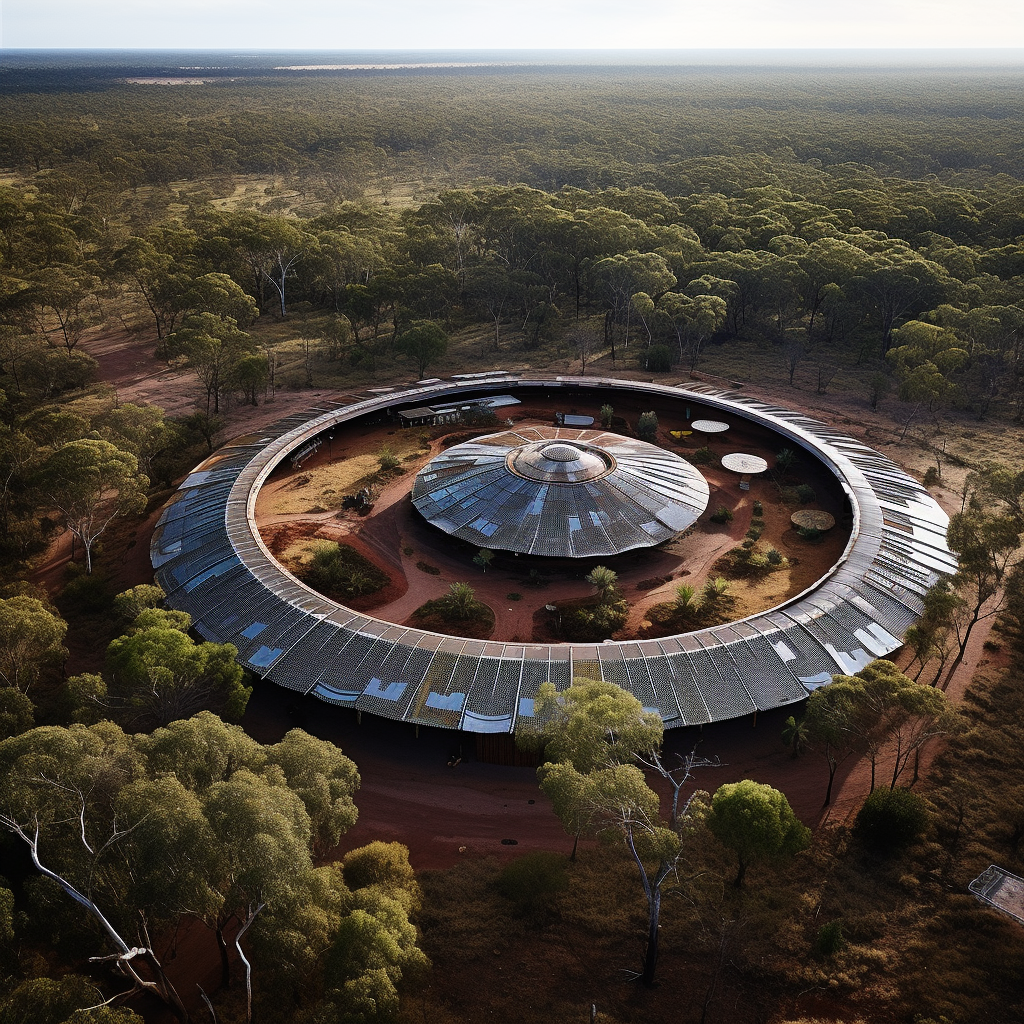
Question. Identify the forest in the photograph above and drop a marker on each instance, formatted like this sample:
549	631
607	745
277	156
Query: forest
854	232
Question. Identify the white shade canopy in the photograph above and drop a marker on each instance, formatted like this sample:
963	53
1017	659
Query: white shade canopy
738	462
710	426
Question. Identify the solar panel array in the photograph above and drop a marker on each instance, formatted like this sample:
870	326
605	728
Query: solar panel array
211	562
521	491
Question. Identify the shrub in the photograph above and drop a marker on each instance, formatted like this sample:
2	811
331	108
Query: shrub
757	523
758	561
596	622
748	543
830	939
341	572
721	515
805	493
387	460
758	508
647	426
754	533
809	533
702	456
85	593
890	820
931	477
773	556
658	359
607	414
531	882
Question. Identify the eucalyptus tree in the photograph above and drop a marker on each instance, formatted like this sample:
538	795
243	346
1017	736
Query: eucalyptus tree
91	482
757	823
31	636
597	739
213	346
197	819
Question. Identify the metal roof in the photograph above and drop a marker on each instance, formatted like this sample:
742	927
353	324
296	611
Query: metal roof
560	492
211	562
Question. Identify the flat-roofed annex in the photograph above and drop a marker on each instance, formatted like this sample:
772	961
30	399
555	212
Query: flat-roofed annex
560	492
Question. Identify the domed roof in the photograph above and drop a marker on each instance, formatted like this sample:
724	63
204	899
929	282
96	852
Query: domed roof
560	492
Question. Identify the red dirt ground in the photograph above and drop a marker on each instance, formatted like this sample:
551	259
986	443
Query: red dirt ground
408	792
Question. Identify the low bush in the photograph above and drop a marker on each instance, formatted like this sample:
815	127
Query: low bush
342	573
805	494
758	508
658	359
891	820
829	940
530	883
721	515
594	622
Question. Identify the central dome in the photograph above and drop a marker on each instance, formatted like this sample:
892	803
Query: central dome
560	492
561	452
559	461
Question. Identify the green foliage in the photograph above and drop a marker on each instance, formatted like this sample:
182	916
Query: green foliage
532	882
594	622
387	461
758	508
757	823
603	580
606	415
340	572
87	594
483	558
594	723
722	515
809	533
805	493
161	675
785	460
83	699
658	359
17	713
55	1001
891	820
795	735
647	426
459	601
424	343
386	866
829	940
31	637
132	602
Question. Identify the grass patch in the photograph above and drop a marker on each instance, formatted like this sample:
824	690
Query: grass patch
438	616
340	572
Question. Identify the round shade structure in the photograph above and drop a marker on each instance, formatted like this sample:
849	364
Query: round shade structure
738	462
560	493
710	426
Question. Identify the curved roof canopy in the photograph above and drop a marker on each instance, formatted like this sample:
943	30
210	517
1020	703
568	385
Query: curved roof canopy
560	492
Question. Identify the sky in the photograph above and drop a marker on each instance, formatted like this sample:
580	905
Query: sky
506	24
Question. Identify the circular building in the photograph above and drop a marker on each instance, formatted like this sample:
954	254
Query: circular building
211	562
559	492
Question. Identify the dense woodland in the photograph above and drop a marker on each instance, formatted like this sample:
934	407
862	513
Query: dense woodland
268	231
